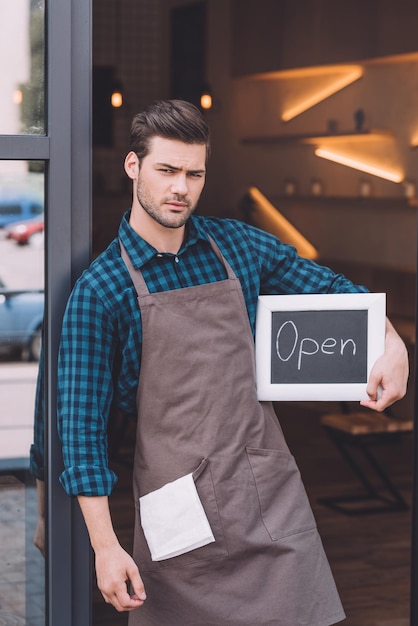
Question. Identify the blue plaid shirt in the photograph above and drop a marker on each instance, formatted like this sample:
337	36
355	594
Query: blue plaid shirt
100	351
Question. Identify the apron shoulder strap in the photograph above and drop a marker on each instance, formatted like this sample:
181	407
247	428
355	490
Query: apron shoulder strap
137	278
215	248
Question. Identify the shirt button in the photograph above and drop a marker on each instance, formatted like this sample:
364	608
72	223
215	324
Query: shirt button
176	259
159	255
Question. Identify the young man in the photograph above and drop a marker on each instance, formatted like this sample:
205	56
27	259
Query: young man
161	325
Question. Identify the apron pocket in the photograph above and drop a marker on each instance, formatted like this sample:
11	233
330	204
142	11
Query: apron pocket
284	505
185	530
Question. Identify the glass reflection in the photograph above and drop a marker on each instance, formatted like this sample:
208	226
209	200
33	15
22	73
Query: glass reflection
21	315
22	76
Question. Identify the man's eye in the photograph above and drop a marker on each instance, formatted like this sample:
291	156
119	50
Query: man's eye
165	171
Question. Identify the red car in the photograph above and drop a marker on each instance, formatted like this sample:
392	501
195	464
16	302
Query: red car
28	231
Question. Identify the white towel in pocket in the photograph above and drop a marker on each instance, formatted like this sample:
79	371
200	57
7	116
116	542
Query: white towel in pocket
173	519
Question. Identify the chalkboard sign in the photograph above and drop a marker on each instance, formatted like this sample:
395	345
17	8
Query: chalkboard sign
318	347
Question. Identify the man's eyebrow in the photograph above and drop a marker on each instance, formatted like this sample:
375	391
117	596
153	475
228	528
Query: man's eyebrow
178	169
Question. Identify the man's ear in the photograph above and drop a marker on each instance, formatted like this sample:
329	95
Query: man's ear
132	165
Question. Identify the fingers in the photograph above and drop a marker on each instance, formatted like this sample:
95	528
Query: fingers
117	595
377	404
137	586
382	392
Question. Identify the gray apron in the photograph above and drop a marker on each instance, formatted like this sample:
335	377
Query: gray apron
198	413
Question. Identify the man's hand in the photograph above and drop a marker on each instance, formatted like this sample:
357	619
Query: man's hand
115	569
389	375
39	537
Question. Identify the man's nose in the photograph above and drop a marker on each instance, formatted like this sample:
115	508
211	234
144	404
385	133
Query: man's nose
179	185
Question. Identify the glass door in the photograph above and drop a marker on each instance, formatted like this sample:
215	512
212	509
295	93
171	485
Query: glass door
22	183
21	315
45	145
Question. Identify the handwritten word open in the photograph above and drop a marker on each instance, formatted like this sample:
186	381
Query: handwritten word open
307	346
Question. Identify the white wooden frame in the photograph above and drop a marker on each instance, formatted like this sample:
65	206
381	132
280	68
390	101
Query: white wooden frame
374	303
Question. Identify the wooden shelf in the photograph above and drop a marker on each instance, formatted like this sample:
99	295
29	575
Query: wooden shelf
347	136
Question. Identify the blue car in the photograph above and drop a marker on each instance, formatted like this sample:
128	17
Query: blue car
21	318
18	206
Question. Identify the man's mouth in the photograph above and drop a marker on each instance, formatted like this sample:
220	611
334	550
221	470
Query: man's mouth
177	205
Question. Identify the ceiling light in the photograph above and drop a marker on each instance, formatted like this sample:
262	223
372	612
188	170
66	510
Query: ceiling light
116	98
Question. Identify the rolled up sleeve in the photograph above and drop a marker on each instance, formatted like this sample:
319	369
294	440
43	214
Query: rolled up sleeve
85	394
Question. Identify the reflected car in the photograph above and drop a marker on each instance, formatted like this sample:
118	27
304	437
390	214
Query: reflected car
21	318
27	232
17	206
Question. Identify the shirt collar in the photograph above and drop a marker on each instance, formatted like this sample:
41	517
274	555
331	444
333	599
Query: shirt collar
140	251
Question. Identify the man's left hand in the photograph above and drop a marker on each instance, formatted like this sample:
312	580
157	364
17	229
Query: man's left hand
389	375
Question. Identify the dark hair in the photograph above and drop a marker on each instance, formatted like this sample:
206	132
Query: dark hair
170	119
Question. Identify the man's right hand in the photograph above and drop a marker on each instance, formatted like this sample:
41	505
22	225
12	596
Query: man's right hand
115	570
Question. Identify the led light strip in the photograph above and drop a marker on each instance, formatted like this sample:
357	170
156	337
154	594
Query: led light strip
394	177
269	217
322	94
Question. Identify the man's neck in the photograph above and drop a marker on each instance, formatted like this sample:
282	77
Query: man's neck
161	238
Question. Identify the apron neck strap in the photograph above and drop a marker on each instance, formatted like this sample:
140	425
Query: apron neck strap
215	248
136	275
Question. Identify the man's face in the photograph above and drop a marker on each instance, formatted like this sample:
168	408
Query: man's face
170	180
